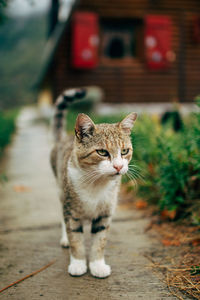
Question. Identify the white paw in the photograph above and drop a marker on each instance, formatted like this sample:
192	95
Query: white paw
77	267
98	268
64	242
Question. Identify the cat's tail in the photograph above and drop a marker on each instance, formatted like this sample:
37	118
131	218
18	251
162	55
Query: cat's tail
62	103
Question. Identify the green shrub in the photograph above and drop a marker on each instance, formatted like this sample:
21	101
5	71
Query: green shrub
170	162
146	155
7	127
179	172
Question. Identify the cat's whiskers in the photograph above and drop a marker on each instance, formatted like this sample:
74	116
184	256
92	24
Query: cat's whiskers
105	176
134	166
136	177
93	179
134	174
90	177
93	176
87	176
136	171
132	179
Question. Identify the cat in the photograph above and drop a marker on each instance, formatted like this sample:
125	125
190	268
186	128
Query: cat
88	169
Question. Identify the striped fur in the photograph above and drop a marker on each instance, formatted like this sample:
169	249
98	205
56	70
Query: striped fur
62	103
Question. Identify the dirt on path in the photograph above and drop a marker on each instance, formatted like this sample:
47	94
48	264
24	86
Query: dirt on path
30	233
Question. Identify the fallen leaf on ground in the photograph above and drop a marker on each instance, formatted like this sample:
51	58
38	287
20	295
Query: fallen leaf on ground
140	204
167	242
168	214
195	242
21	188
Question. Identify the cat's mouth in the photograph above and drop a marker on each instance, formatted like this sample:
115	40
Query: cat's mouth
116	174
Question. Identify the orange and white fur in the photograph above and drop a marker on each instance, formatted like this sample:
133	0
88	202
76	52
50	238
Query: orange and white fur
88	168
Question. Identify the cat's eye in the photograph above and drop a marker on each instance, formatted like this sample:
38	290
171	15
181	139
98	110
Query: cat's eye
124	151
103	152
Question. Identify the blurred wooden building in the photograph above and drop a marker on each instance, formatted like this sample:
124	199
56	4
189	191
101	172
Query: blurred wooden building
135	50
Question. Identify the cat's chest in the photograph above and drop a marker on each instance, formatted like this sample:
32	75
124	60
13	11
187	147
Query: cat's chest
96	199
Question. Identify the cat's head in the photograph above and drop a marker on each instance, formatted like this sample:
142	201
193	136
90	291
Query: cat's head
105	148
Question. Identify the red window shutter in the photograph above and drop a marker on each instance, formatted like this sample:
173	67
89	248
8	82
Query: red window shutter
158	42
85	40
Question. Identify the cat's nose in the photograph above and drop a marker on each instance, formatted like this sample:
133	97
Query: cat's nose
118	167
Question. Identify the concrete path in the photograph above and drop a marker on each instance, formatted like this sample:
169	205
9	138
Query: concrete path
30	233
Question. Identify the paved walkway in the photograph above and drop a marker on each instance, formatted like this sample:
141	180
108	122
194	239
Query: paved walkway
30	233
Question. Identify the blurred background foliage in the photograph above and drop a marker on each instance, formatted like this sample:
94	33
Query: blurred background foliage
7	127
22	41
22	38
169	161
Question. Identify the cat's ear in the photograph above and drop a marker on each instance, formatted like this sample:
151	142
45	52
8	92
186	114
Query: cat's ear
128	122
84	126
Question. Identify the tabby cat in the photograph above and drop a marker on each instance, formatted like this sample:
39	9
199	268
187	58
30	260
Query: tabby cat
88	169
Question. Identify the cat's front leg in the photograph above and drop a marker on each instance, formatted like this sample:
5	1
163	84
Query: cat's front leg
78	265
64	242
97	265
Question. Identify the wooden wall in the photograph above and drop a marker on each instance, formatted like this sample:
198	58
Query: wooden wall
129	80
